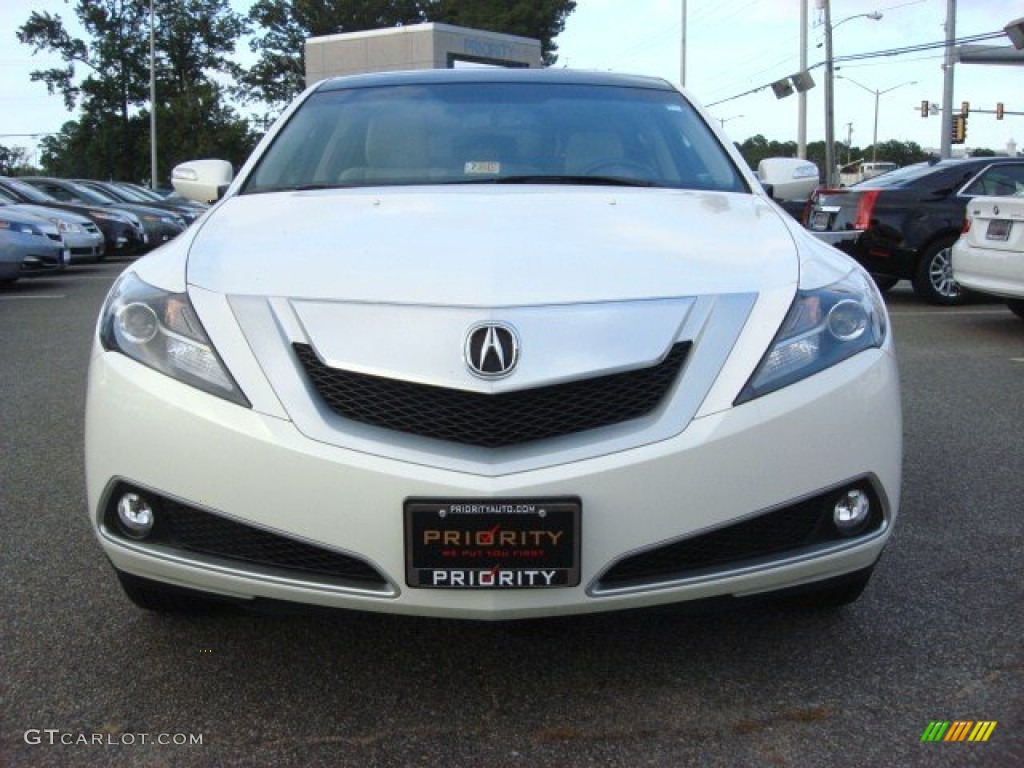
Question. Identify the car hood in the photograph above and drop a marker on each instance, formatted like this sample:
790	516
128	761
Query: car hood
8	213
492	246
52	213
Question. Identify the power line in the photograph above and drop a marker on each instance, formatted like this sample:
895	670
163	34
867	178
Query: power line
875	55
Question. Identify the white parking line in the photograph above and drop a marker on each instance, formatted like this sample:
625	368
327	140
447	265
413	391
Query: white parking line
924	313
33	296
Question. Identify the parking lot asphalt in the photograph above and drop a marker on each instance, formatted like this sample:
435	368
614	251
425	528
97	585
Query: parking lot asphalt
87	679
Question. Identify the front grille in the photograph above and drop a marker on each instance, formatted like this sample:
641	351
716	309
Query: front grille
492	420
784	532
186	528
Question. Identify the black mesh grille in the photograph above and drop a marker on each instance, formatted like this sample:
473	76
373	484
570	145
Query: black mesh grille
785	531
493	421
187	528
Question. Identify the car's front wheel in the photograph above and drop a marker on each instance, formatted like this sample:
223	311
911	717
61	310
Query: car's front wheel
164	598
934	279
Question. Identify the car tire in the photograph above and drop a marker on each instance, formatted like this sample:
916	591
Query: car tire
827	595
933	280
164	598
1016	306
884	282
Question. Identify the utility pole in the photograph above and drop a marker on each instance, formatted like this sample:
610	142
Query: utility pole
152	100
946	138
801	97
830	129
682	50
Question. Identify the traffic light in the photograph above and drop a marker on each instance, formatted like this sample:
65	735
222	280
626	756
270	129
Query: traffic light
925	108
959	132
999	111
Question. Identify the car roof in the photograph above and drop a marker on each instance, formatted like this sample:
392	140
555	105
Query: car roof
911	174
493	75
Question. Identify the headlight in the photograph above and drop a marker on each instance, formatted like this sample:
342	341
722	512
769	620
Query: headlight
823	327
67	226
20	226
161	330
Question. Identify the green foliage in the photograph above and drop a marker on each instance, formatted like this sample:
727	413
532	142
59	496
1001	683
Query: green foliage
899	152
106	75
541	20
14	161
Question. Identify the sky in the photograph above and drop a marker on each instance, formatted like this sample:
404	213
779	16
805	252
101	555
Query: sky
733	46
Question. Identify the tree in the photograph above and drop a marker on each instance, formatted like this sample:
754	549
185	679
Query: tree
541	20
279	74
111	139
115	61
757	148
14	161
901	152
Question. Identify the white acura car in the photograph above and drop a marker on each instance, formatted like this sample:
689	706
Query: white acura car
491	344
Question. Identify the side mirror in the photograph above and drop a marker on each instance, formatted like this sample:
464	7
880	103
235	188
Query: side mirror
202	180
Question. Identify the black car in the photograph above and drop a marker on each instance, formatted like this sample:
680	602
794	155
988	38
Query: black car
160	225
902	225
122	230
127	194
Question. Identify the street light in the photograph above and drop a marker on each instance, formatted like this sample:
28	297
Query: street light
830	170
723	120
877	93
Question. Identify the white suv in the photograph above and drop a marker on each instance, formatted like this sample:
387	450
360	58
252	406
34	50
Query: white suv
491	344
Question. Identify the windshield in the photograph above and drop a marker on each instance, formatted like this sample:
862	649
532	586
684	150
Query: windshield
464	133
90	195
29	192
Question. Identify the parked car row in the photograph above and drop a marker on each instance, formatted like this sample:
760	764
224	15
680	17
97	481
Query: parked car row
904	224
48	223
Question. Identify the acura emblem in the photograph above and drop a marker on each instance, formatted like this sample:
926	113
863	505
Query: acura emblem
492	350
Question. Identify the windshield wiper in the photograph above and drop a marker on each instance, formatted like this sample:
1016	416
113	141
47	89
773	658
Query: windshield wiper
603	181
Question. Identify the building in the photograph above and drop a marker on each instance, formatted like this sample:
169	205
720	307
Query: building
420	46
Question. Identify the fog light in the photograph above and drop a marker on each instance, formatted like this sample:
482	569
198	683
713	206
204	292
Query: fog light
851	510
135	515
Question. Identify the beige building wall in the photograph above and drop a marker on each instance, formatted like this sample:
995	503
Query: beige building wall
421	46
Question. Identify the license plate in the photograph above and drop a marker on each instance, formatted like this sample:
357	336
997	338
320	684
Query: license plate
492	544
998	229
819	220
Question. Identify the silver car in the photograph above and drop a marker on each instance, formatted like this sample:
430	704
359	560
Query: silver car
82	237
29	245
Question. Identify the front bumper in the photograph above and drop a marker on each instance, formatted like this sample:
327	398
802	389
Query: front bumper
84	247
151	431
44	259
